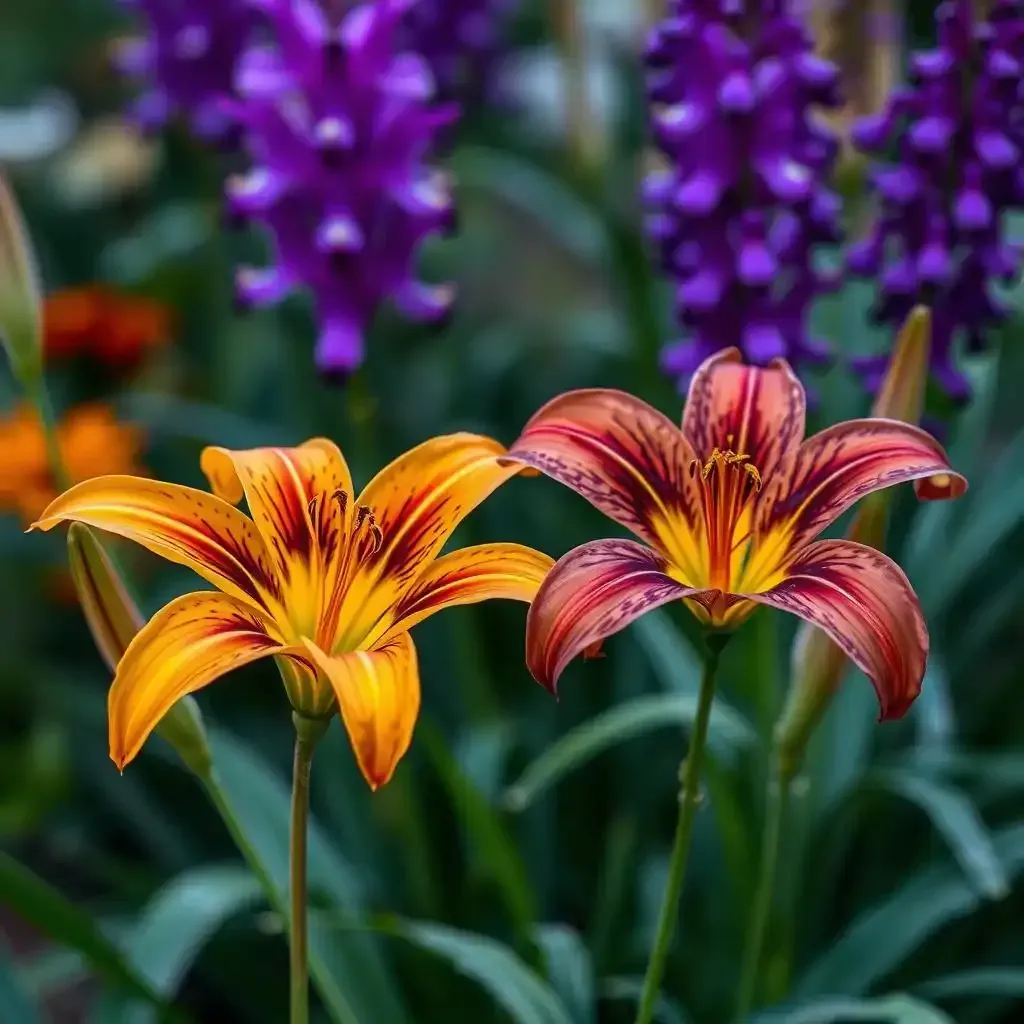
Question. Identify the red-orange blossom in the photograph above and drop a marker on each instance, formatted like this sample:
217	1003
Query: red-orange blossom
730	507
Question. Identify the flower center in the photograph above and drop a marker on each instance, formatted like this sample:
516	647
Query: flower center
729	482
348	536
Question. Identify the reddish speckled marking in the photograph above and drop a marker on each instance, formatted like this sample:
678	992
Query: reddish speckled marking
842	464
592	592
863	601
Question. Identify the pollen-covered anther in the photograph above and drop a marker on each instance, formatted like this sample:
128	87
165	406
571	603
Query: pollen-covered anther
366	532
724	459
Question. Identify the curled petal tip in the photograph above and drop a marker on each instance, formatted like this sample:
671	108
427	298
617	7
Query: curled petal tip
941	487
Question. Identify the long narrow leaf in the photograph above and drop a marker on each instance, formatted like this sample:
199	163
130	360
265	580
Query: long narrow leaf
527	998
570	970
346	968
625	722
898	1009
42	905
958	822
178	922
15	1002
991	982
881	938
666	1011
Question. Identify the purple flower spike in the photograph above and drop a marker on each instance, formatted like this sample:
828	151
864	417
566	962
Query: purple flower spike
188	58
958	132
744	206
463	41
338	124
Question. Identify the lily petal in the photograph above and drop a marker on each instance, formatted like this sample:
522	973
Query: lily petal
188	643
626	458
417	502
593	591
753	411
378	693
182	524
845	462
863	601
278	485
470	575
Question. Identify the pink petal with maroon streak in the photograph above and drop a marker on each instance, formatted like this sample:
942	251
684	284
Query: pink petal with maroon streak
864	602
592	592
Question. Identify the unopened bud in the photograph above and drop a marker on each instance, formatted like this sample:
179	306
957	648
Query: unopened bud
818	663
114	619
20	304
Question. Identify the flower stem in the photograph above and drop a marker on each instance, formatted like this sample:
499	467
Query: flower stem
307	732
582	129
40	399
689	801
776	800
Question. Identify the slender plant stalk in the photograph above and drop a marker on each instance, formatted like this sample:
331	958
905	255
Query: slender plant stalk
40	399
581	126
689	801
304	744
776	800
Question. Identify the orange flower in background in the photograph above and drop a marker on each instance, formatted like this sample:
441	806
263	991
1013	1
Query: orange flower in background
327	582
92	442
116	328
730	507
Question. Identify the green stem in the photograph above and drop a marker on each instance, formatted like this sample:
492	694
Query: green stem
776	800
581	126
40	398
305	741
689	801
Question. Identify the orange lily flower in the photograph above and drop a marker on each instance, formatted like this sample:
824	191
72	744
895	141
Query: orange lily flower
730	507
326	583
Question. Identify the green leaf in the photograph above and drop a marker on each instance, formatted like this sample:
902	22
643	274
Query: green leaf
347	968
881	938
996	982
15	1002
175	926
570	970
39	903
958	822
996	507
666	1011
488	839
897	1009
625	722
676	664
527	998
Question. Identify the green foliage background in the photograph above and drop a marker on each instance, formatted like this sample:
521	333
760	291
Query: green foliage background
513	868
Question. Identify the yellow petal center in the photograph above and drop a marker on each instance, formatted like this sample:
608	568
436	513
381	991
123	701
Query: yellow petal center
729	483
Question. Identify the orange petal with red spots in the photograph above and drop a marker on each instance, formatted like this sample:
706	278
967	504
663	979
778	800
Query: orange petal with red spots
182	524
470	575
188	644
378	694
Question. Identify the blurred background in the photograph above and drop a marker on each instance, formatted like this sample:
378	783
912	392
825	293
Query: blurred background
513	868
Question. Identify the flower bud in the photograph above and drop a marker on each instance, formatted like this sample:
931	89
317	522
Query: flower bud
114	619
818	663
20	326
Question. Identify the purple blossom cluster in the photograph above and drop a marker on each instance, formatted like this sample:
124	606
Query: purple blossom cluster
744	204
187	60
461	40
955	133
338	125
